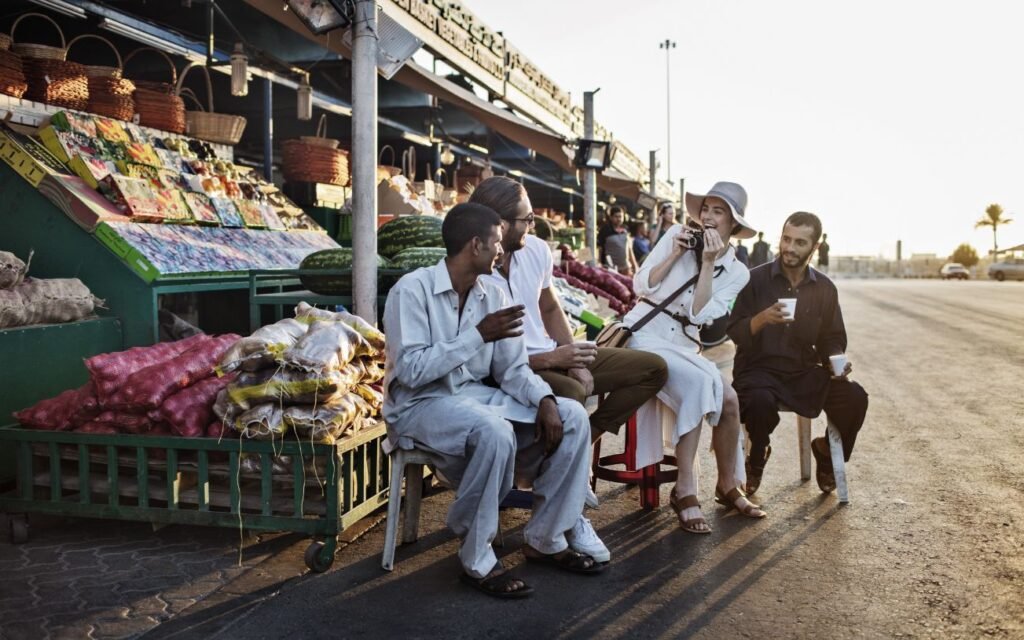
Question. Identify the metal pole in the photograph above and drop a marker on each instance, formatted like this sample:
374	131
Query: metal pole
653	216
268	130
682	196
364	160
668	45
590	181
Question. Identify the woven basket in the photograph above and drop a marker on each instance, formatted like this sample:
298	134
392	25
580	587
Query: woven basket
302	162
207	124
100	71
5	42
321	139
12	76
386	171
155	102
42	51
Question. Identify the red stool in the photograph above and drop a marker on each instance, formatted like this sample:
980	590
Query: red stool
649	478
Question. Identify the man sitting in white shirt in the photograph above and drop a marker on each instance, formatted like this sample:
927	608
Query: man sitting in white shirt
573	369
447	332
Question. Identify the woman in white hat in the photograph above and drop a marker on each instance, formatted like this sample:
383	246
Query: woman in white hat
704	278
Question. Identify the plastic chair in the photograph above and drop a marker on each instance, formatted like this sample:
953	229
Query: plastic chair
835	446
401	460
649	478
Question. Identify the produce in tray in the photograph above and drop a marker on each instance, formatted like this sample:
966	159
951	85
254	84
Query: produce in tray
112	131
78	123
132	197
203	211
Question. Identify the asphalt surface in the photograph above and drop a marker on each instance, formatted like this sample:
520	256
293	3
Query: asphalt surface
931	545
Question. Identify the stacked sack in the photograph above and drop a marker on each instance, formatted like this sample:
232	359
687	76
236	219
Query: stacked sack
26	301
165	389
317	374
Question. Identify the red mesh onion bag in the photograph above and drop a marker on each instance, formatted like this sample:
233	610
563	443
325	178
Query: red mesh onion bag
123	422
70	409
110	370
190	411
148	388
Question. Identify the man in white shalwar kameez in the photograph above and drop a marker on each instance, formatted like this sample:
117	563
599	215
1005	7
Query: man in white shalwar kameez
448	332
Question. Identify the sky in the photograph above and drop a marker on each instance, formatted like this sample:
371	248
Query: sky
894	119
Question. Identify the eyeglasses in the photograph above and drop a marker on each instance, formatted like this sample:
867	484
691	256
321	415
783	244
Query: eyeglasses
529	220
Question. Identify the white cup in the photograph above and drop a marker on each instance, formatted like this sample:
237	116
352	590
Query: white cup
838	363
790	309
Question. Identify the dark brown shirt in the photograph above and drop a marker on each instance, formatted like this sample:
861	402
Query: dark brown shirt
807	342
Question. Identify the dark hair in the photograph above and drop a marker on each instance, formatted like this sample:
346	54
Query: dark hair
634	228
465	222
499	194
616	209
804	219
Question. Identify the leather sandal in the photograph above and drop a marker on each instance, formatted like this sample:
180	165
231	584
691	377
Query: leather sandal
497	585
754	473
687	502
729	500
569	560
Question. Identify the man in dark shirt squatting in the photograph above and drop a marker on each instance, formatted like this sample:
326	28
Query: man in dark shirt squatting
783	358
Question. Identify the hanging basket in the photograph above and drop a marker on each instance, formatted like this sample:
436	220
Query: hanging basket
12	76
100	71
321	139
207	125
303	162
39	51
155	102
110	95
386	171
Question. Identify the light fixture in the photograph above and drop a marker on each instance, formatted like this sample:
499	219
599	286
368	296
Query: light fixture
60	6
417	138
594	154
476	147
304	103
239	71
395	44
156	42
447	157
321	16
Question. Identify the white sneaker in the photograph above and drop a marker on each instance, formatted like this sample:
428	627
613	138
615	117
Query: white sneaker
583	538
591	498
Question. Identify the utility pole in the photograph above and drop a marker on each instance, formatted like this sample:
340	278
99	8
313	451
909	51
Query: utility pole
653	216
668	45
364	160
589	181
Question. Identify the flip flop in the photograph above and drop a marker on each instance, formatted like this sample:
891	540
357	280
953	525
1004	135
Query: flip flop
729	500
569	560
687	502
495	586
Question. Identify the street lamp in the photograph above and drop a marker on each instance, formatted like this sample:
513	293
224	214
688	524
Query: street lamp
668	45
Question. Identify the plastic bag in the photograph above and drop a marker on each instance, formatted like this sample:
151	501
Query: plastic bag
110	370
64	412
291	387
372	335
148	388
263	347
262	422
325	423
326	346
190	411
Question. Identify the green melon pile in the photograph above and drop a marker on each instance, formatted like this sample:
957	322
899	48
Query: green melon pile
418	257
332	285
408	232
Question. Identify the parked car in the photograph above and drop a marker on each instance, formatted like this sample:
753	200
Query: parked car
1007	269
954	270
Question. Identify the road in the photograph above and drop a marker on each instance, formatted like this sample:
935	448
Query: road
930	546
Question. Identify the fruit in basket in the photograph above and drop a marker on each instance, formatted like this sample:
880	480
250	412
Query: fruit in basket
332	285
408	232
415	258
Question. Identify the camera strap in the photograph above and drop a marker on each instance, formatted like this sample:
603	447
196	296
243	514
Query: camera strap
662	307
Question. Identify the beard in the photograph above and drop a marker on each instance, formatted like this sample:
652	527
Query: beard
794	259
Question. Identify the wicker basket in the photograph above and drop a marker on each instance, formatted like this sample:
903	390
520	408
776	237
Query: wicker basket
155	102
321	139
99	71
5	42
42	51
386	171
207	124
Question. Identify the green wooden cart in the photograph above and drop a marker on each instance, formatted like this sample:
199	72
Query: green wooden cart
287	485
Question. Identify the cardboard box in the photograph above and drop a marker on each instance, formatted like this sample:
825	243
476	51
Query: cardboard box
92	170
27	157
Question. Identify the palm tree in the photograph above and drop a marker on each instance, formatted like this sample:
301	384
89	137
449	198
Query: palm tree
993	218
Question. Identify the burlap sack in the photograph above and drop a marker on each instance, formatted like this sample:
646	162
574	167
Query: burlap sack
51	301
12	270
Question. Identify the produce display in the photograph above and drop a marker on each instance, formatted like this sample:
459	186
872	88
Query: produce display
165	389
415	258
317	375
333	285
614	287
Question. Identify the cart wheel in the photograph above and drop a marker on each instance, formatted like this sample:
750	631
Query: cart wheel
19	529
317	558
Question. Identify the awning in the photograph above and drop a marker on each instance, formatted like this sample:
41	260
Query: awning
531	136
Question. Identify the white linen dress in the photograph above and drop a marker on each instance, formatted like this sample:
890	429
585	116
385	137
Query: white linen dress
694	388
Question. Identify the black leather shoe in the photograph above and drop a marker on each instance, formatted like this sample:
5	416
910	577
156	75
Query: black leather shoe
755	469
823	472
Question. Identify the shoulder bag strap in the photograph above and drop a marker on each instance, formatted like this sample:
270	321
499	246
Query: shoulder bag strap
663	305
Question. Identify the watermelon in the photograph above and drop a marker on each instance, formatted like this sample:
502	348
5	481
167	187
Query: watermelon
332	259
407	232
542	228
418	257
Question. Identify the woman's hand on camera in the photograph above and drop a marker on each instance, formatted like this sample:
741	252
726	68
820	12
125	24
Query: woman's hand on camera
682	241
713	244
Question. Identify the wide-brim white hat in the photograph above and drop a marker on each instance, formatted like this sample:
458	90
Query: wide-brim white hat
734	195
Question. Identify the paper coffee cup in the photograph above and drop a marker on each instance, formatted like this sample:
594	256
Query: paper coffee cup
790	309
838	363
